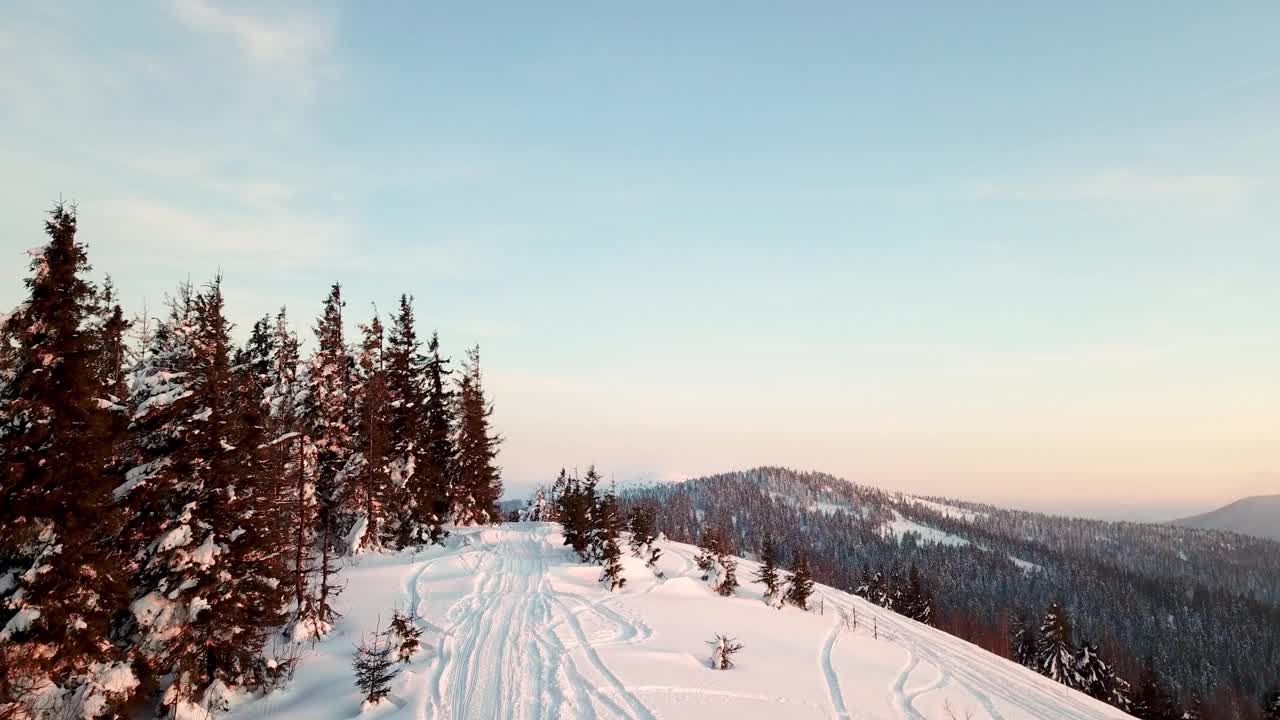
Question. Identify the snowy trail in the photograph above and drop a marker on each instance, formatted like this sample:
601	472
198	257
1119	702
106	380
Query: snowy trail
500	655
516	629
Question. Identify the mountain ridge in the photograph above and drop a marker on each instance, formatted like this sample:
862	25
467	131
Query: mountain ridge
1256	515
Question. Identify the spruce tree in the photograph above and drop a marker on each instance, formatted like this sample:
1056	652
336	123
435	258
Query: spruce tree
327	420
919	605
106	336
800	586
61	574
709	549
1151	699
374	668
608	531
1023	642
366	470
478	483
406	635
418	518
207	585
574	510
728	584
439	471
1056	655
767	575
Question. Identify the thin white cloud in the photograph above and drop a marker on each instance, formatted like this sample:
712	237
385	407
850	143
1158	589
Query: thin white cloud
278	39
1202	191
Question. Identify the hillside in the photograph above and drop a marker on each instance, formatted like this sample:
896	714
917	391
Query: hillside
516	628
1258	516
1187	598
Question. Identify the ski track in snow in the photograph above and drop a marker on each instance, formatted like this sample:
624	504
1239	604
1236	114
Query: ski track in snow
829	673
501	657
515	629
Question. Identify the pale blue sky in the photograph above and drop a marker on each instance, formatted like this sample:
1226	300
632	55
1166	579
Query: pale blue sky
1023	254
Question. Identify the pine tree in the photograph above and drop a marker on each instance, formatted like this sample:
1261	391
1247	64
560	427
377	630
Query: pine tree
728	584
608	531
406	635
1023	642
767	575
327	420
439	471
919	605
207	579
106	337
61	574
374	668
418	520
800	586
366	471
709	550
1056	655
643	536
1151	699
575	502
478	483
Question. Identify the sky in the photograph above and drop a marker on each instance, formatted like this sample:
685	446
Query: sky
1020	253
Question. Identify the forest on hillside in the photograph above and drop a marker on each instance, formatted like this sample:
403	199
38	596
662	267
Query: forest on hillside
174	505
1203	631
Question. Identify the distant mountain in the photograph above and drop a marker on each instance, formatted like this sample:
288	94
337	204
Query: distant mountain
1258	516
1188	597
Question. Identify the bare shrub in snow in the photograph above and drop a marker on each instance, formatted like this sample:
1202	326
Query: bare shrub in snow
723	648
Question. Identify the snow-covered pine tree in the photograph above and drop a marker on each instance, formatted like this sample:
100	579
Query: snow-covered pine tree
1023	642
1056	654
608	530
728	584
374	668
293	456
478	482
406	635
767	575
574	510
366	471
537	510
61	574
206	584
920	601
800	585
439	473
416	520
709	550
326	414
1092	671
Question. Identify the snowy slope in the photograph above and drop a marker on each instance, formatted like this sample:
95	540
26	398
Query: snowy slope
517	629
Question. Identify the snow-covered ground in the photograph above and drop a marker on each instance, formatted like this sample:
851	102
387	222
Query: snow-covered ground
515	628
900	526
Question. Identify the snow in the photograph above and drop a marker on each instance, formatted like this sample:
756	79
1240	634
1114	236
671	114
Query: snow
20	622
950	511
1025	565
515	627
900	526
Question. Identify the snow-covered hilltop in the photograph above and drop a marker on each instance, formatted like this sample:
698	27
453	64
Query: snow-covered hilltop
515	627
